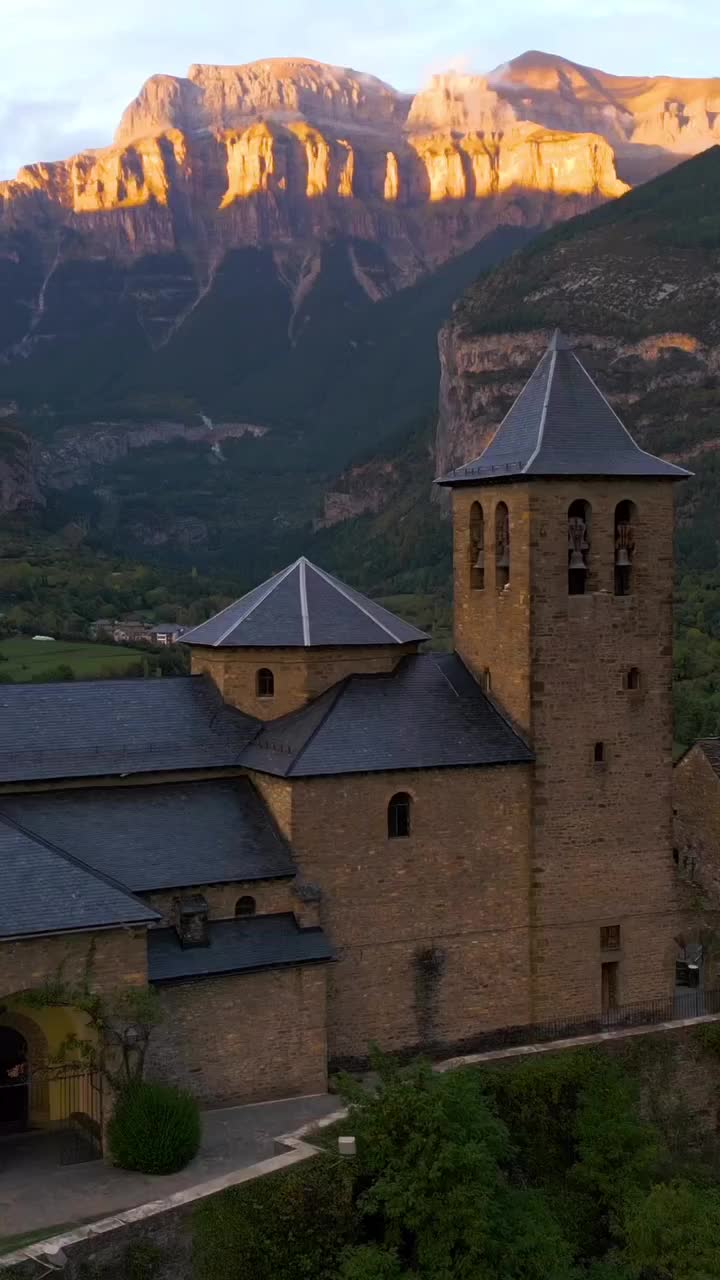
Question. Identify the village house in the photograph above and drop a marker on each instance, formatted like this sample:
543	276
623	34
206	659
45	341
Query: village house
132	630
329	836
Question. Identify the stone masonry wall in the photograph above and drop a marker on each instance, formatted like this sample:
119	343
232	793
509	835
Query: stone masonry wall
602	830
696	809
491	627
602	847
244	1037
270	896
431	930
118	957
300	674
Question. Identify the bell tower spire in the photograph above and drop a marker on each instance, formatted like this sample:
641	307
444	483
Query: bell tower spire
570	626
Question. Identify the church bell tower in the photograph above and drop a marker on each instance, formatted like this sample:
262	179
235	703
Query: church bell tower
563	577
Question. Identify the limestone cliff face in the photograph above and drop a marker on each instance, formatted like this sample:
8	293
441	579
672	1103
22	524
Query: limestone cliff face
285	156
19	488
362	490
225	97
649	120
301	141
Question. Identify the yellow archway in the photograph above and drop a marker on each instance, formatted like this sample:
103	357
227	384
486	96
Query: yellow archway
46	1031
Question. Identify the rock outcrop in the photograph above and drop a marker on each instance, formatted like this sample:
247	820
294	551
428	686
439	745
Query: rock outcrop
19	488
636	290
651	121
288	156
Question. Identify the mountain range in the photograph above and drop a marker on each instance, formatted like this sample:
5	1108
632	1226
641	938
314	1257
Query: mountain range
219	333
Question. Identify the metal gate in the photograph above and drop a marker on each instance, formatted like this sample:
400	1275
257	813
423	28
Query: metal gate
67	1100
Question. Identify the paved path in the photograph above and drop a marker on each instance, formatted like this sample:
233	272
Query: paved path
36	1191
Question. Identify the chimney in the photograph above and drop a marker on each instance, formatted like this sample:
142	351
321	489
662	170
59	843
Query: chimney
191	921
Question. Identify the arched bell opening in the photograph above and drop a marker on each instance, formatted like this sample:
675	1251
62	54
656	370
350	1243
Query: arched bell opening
625	523
502	546
477	547
579	514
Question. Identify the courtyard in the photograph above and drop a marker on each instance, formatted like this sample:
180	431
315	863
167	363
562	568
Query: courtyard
38	1191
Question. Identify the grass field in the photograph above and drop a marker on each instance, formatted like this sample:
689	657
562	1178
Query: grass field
28	658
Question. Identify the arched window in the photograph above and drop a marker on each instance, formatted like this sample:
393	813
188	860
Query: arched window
477	547
398	815
578	547
245	906
265	683
502	546
624	547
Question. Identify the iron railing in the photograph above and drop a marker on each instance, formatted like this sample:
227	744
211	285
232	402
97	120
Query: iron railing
646	1013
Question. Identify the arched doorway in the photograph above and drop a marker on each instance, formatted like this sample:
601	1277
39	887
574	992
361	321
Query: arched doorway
14	1080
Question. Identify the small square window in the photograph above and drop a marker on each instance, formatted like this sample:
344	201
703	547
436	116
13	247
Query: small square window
631	678
610	937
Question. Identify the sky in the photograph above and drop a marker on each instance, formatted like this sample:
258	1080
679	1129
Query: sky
69	67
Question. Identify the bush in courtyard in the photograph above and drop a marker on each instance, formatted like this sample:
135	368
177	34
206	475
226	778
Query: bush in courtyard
155	1128
292	1224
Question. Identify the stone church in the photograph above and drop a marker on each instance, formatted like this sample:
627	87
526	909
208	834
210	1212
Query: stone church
329	835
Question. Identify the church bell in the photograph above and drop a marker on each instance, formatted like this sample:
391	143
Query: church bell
622	559
577	561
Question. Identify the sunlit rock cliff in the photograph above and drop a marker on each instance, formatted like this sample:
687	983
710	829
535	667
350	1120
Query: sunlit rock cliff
651	121
275	244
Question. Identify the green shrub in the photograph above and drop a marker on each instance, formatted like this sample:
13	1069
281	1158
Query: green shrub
155	1128
293	1224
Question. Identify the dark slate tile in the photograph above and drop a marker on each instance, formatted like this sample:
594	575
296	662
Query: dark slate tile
161	837
96	728
44	890
303	606
236	946
561	424
429	713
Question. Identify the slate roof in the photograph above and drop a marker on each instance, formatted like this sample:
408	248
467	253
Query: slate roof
45	890
236	946
561	425
96	728
165	836
429	713
303	607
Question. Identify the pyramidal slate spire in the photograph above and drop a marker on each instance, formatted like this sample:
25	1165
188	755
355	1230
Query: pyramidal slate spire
561	425
303	607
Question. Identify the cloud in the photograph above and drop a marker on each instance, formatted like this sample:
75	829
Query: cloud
41	131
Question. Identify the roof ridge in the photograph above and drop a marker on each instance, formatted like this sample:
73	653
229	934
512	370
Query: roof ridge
341	589
495	706
270	586
303	601
444	675
79	863
546	400
505	416
335	692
